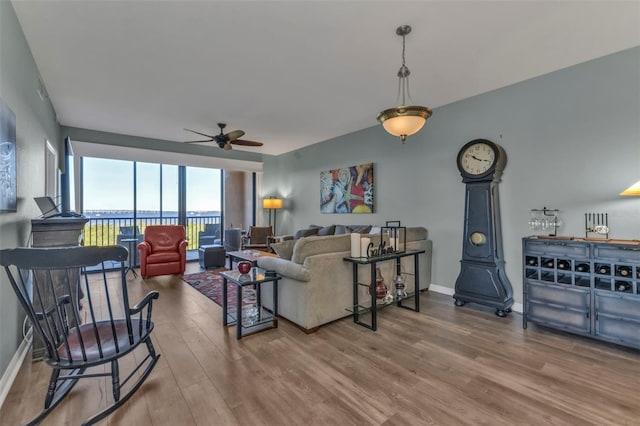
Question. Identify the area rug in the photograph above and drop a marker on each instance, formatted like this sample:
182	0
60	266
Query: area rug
209	283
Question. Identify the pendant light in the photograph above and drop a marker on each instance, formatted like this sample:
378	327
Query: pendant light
404	120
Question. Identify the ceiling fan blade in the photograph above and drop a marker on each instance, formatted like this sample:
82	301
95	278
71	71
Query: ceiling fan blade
203	134
235	135
246	143
209	140
227	147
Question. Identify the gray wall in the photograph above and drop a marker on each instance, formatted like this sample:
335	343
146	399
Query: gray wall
35	122
572	139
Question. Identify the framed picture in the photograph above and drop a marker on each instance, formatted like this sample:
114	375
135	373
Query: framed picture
347	190
50	170
8	187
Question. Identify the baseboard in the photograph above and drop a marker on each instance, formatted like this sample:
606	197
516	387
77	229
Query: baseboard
14	366
517	307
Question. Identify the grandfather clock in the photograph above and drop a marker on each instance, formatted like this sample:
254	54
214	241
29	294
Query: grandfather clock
482	278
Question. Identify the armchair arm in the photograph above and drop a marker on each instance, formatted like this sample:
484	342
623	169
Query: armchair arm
144	247
146	300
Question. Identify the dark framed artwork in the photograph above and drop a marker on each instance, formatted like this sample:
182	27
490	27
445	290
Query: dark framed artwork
8	187
347	190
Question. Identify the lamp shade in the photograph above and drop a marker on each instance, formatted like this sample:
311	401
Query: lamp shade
404	121
633	190
272	203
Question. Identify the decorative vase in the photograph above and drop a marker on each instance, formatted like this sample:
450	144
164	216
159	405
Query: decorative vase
400	287
381	287
244	267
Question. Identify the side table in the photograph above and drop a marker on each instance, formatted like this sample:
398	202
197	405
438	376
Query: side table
265	318
373	309
131	245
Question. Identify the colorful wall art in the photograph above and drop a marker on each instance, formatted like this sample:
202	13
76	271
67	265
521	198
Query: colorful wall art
347	190
8	187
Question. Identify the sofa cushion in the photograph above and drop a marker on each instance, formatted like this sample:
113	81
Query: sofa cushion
310	246
305	233
284	249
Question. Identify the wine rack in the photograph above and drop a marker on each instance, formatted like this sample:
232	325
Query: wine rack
583	287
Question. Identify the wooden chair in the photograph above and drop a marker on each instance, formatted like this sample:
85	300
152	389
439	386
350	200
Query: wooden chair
257	238
83	322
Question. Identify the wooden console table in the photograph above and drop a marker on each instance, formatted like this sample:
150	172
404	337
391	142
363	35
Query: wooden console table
373	309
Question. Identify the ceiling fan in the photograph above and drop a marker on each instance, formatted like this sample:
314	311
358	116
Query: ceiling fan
223	140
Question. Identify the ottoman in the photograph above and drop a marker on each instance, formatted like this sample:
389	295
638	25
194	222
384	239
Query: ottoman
211	255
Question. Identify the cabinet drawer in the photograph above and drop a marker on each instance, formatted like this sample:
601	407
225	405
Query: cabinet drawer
617	253
618	306
564	296
618	330
559	317
558	248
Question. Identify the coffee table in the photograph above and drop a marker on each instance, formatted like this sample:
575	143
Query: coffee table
261	318
248	255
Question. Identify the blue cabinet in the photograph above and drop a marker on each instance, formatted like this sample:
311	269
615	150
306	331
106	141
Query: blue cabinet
583	287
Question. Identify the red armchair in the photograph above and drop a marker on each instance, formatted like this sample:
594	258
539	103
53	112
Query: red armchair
163	251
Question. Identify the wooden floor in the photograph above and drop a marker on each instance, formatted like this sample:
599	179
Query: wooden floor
445	366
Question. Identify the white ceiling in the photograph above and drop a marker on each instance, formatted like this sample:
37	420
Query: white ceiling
294	73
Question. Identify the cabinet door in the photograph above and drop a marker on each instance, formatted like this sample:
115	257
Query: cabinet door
566	308
617	318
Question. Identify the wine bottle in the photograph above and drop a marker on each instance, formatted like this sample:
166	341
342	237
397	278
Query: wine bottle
548	263
582	267
564	264
623	286
623	271
603	269
532	261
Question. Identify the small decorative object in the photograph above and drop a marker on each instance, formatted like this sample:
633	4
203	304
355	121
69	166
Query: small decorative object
395	234
355	245
347	190
400	286
545	220
244	267
364	246
250	315
597	223
381	287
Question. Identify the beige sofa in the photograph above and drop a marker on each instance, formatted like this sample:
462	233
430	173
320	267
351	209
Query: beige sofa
316	286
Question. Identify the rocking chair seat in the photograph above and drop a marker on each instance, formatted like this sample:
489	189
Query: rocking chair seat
108	348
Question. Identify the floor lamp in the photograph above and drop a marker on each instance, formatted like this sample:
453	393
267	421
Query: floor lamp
273	204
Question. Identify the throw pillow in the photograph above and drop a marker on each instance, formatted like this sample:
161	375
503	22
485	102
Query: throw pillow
305	233
360	229
284	249
341	229
327	230
375	230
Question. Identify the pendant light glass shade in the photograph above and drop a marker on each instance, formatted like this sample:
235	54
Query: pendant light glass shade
633	190
403	121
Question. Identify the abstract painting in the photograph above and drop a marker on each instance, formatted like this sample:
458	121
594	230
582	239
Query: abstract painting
8	187
347	190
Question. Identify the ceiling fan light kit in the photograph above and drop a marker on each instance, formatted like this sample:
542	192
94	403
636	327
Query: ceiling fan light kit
404	121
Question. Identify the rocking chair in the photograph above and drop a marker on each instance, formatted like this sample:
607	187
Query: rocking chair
49	283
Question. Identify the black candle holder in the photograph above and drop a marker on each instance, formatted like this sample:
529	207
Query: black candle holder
392	233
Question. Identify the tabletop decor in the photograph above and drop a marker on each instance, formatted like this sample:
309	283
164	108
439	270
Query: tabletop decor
395	234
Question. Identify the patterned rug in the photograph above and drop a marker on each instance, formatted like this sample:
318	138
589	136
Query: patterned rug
209	283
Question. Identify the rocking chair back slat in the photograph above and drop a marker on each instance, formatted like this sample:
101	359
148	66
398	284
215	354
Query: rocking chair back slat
82	322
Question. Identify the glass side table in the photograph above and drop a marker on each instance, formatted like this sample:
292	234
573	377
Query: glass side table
255	317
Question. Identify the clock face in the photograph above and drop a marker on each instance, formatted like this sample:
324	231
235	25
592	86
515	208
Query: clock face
477	158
